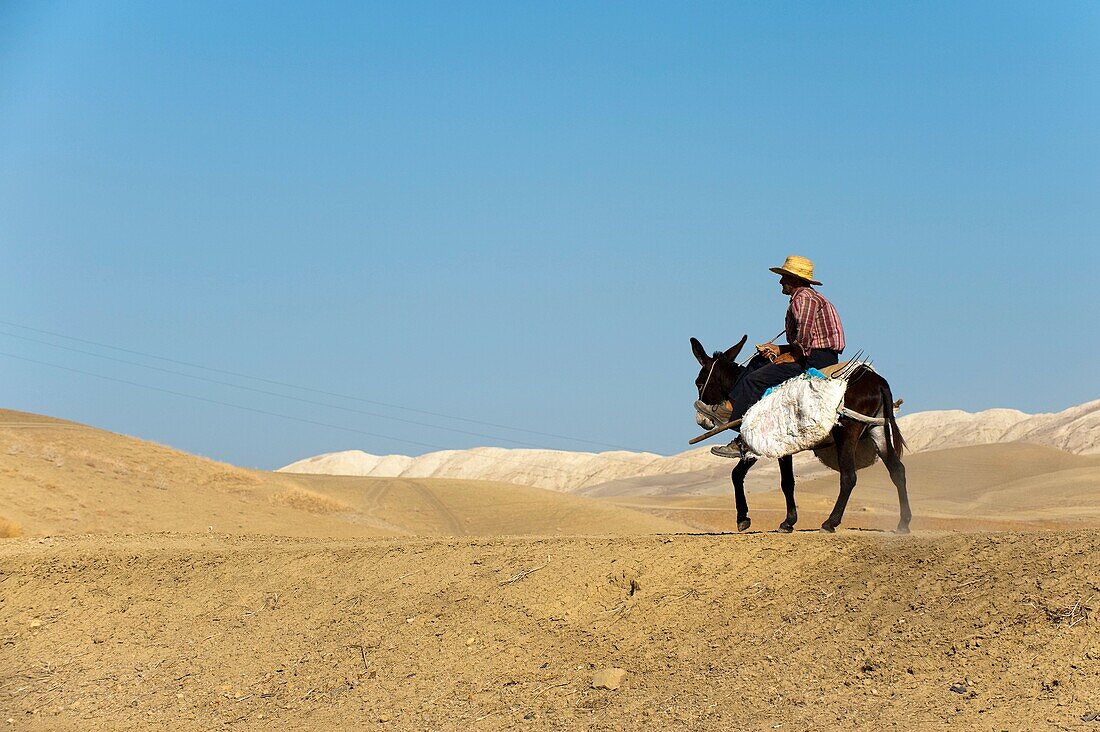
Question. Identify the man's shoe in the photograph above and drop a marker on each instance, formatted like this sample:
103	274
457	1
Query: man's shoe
734	450
717	413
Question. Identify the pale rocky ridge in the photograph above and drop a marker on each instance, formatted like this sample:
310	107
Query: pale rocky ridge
553	469
1075	430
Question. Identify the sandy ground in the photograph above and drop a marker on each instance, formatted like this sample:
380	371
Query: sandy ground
153	590
806	631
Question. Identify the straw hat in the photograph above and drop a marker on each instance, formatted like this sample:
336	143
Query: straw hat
799	267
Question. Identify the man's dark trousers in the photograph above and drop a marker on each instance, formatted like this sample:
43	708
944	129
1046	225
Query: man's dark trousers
761	374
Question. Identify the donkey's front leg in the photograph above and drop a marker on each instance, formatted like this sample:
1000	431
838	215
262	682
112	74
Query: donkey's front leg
786	482
738	477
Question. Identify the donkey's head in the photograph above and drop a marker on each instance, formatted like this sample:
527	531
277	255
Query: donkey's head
717	374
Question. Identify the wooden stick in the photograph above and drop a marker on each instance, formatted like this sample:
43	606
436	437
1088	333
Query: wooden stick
517	577
715	431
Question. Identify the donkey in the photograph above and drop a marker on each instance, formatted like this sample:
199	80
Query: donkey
856	443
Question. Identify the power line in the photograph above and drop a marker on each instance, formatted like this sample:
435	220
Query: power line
270	393
287	396
287	385
281	416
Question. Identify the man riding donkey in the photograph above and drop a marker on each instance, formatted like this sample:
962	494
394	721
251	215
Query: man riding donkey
815	339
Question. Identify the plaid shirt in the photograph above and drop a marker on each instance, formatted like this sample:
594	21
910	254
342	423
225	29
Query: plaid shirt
812	323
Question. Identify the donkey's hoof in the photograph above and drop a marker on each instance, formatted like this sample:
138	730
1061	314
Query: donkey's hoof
785	528
828	528
902	529
744	524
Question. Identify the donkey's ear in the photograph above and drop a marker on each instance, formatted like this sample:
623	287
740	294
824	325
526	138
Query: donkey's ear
732	351
700	353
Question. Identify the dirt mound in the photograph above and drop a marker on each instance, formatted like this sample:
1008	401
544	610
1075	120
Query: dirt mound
60	477
755	631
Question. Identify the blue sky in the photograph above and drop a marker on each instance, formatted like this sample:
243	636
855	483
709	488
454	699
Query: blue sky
518	214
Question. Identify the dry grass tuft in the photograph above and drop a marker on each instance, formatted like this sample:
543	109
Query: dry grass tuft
307	500
231	478
101	462
9	529
53	455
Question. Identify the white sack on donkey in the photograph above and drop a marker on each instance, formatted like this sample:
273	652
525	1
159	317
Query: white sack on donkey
797	415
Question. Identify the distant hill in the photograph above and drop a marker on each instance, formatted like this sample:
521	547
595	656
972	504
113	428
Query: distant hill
1075	430
553	469
59	477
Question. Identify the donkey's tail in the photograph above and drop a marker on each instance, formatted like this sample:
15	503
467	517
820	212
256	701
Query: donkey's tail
895	443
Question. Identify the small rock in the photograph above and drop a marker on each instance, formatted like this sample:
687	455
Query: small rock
36	623
958	688
383	718
1086	717
608	678
470	641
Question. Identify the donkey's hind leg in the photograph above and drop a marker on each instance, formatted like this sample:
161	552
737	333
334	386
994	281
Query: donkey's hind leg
738	477
786	478
892	461
897	475
846	436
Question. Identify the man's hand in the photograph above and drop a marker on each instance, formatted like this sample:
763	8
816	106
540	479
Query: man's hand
770	350
784	358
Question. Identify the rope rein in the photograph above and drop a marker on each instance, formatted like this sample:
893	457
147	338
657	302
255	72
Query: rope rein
740	364
709	374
